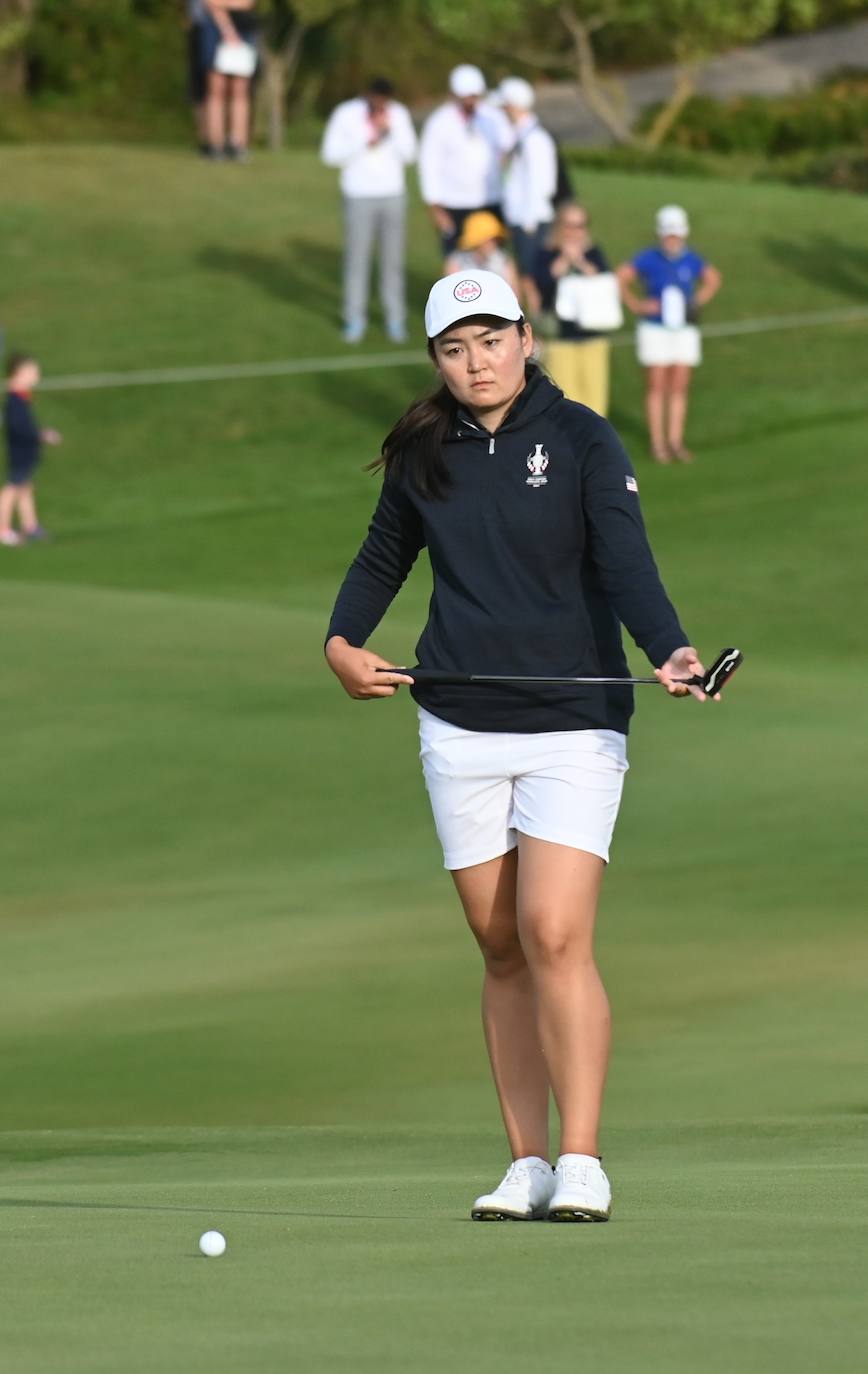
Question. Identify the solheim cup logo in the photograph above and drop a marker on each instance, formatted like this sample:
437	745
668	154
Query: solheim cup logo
537	462
467	291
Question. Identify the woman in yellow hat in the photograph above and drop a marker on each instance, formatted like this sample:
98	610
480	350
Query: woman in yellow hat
481	247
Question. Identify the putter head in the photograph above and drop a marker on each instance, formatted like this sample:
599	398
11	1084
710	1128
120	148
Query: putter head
721	671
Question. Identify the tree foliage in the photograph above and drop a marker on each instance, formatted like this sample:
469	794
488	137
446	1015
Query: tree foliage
685	32
122	61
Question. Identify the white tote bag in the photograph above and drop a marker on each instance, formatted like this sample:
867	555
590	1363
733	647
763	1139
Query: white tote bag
592	302
235	59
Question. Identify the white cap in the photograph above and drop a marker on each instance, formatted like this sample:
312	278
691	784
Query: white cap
462	296
672	219
466	80
515	91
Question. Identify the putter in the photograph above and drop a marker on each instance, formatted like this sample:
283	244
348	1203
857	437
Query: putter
714	680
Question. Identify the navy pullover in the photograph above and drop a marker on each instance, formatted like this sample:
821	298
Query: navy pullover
539	554
22	435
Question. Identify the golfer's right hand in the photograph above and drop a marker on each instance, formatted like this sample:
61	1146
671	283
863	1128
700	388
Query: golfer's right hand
355	669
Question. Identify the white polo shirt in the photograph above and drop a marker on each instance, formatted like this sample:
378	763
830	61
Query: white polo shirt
461	157
531	176
369	169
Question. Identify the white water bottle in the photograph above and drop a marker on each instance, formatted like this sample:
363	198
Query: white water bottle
673	307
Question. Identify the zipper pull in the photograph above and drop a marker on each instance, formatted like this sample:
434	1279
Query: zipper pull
491	444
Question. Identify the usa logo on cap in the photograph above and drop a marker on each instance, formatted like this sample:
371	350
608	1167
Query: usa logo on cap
467	290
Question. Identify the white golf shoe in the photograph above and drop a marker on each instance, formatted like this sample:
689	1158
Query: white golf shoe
523	1194
582	1192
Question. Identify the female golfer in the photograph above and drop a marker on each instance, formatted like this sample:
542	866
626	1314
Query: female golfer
528	507
678	283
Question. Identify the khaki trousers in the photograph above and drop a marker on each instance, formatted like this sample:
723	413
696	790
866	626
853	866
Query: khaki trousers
581	369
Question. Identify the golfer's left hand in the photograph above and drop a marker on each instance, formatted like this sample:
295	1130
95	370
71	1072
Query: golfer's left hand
683	663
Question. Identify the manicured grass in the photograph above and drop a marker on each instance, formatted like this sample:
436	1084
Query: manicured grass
235	989
713	1266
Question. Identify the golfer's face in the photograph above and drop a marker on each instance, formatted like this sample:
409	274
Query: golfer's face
672	244
483	364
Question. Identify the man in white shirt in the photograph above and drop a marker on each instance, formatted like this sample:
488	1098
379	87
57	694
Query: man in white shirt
461	156
530	183
372	139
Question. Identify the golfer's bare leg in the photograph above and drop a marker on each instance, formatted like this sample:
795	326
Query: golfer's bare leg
8	499
655	401
215	109
679	384
239	112
487	893
557	892
27	516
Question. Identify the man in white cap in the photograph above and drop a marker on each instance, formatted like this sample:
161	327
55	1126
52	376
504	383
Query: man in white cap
461	156
530	185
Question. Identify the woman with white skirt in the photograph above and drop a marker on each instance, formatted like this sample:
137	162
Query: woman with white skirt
529	509
677	282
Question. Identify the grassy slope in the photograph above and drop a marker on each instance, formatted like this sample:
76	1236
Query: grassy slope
223	908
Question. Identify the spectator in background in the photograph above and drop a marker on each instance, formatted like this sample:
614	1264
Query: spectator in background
229	57
481	247
577	358
677	283
197	75
372	139
461	156
530	183
24	440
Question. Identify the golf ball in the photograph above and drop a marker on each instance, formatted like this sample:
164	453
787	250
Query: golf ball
212	1244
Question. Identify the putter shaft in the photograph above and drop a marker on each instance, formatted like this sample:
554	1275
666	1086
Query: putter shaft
712	683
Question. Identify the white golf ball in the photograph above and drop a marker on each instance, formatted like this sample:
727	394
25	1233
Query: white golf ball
212	1244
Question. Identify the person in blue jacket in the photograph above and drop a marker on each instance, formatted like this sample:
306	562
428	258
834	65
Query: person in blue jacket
677	283
529	509
24	440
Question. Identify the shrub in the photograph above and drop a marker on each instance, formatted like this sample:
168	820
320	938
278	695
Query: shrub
833	114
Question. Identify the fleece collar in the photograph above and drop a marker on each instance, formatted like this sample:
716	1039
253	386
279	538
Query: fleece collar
538	395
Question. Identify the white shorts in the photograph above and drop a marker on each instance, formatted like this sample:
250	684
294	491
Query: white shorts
563	786
658	346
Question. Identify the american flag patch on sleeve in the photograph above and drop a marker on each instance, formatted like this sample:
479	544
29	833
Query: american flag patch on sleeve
632	484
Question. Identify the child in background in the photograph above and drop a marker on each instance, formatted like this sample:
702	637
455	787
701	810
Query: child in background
24	440
480	248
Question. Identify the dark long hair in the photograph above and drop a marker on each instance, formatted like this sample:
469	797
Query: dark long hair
413	448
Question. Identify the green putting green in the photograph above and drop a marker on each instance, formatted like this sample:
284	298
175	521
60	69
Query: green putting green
235	988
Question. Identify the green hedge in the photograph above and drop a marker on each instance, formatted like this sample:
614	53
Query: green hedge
838	169
831	115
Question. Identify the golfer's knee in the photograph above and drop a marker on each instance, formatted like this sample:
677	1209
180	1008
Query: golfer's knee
549	942
502	953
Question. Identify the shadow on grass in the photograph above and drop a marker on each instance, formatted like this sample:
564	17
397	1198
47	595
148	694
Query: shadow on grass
824	261
375	398
207	1209
307	274
781	428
